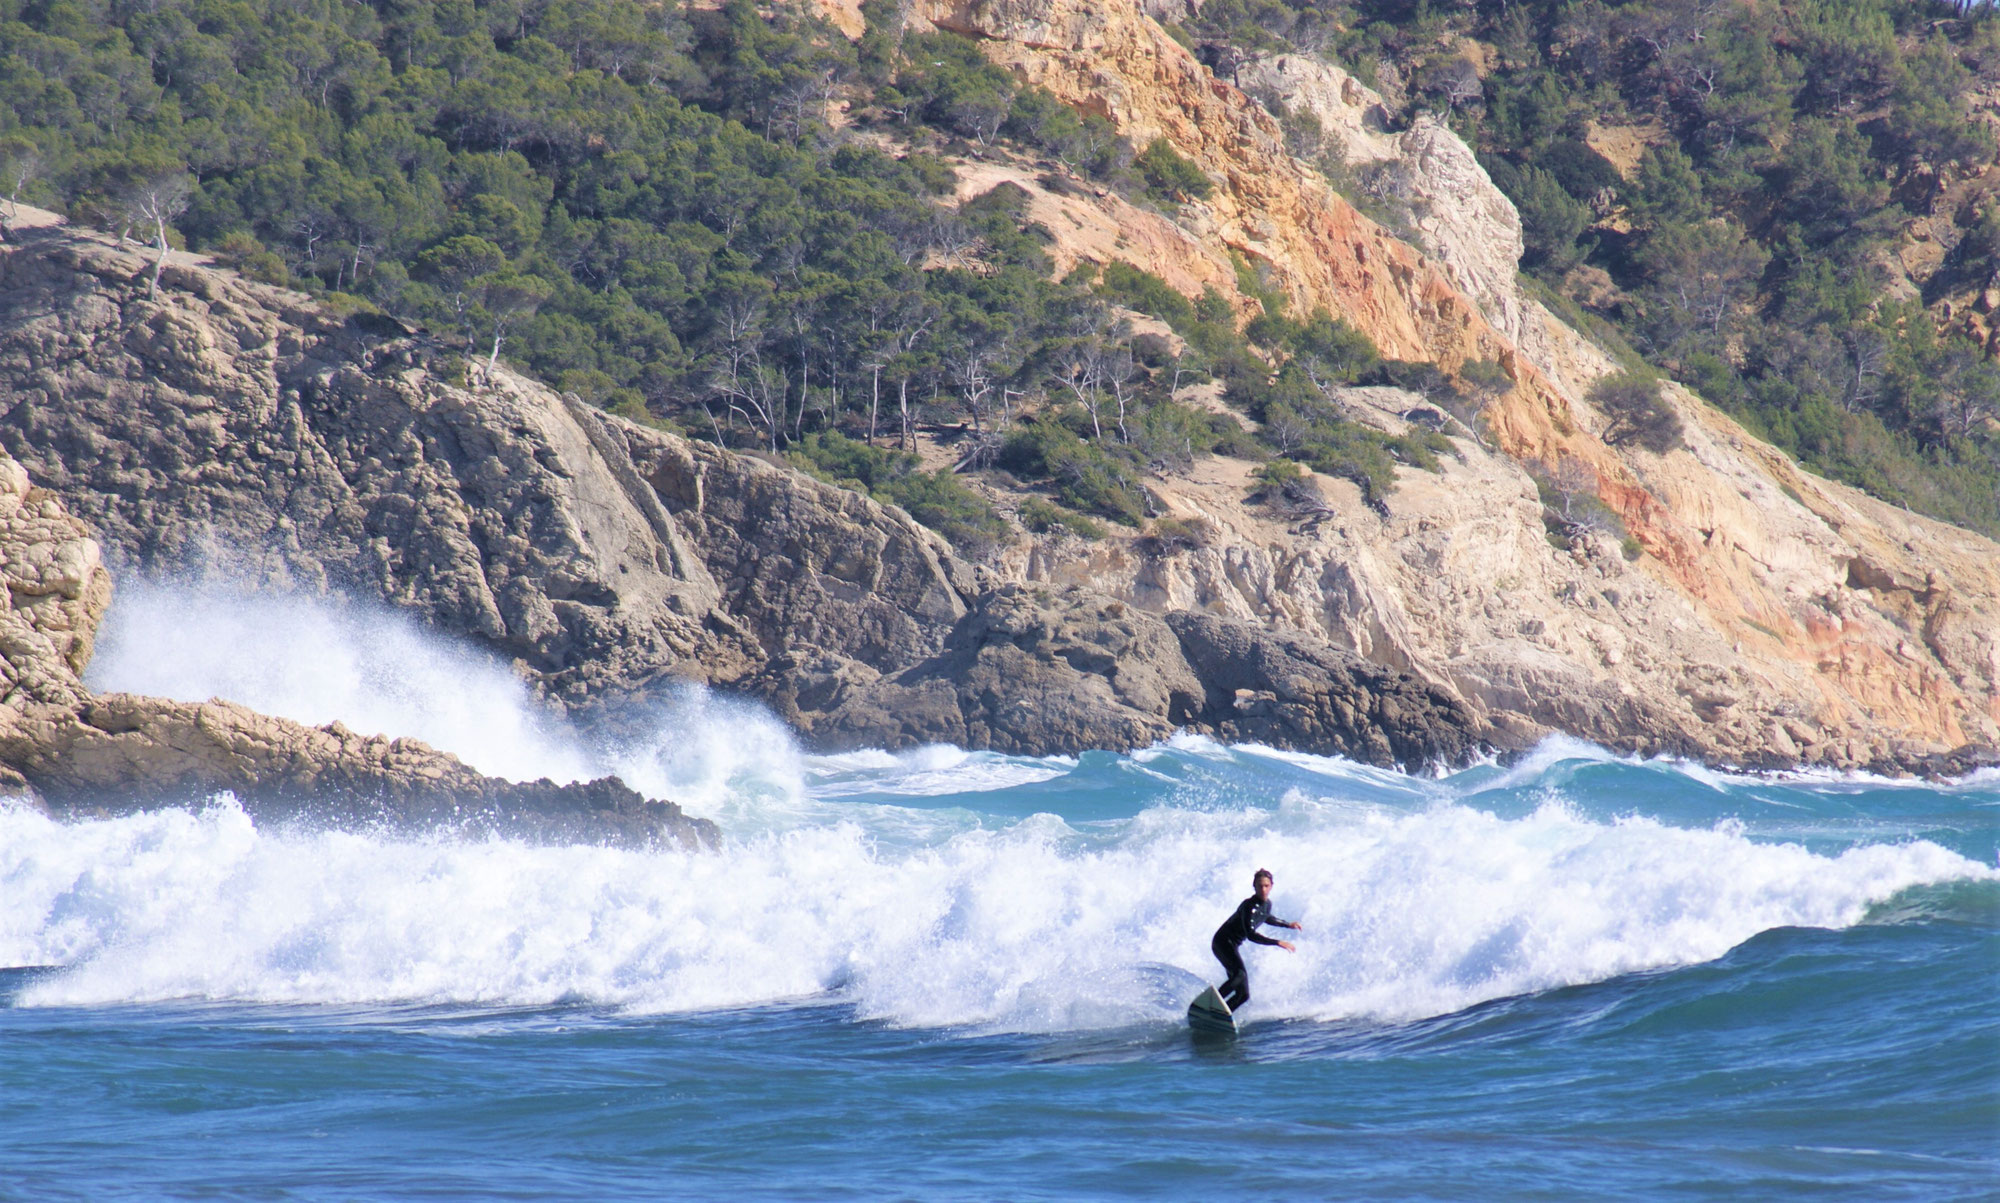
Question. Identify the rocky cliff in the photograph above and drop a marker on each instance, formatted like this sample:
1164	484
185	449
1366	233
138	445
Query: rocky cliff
229	426
1772	613
1758	615
78	753
233	426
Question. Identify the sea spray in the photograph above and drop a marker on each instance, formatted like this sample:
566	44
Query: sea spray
320	659
317	660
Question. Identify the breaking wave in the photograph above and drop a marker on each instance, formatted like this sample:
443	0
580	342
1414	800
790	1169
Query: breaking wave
932	888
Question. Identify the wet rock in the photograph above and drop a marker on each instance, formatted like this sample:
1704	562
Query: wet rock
120	753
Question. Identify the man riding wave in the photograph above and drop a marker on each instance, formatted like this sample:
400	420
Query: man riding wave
1252	913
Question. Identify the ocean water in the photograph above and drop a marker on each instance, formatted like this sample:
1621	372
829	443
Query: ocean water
942	974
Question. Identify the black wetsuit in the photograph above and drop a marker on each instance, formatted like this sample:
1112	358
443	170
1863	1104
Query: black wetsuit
1229	939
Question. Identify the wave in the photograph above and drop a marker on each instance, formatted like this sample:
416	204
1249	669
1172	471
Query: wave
1030	927
318	659
934	887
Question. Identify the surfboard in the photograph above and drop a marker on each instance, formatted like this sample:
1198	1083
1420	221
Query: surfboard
1208	1013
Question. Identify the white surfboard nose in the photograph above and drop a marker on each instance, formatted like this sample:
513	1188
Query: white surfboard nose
1208	1012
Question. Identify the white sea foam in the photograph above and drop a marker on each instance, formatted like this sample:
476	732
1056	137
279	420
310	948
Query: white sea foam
927	771
837	884
1341	769
1535	764
1029	927
317	660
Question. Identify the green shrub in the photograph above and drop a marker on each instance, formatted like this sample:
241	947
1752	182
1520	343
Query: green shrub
1167	436
1278	473
939	500
1552	221
1147	293
1171	536
1044	517
1170	177
1637	412
1085	475
1087	142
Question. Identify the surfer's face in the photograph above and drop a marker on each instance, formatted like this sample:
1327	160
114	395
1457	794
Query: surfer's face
1264	889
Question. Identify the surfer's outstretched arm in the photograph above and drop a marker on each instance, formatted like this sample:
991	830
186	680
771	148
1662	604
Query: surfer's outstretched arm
1274	921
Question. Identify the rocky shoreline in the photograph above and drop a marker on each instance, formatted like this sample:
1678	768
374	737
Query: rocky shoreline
229	426
226	426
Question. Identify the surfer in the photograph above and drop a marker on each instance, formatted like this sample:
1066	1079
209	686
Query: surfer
1228	942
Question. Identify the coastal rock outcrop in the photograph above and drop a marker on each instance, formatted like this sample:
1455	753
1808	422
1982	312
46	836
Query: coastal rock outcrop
1040	669
79	753
119	753
228	426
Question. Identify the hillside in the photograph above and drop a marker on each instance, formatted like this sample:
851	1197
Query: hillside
1791	207
1184	378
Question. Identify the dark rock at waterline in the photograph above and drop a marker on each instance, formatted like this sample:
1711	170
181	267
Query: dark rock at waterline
118	753
1027	670
1942	766
1267	688
1039	670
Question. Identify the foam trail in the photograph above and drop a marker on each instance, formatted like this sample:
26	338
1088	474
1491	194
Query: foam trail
1031	927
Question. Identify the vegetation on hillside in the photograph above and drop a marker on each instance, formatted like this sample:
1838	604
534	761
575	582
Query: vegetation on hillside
740	221
733	219
1747	252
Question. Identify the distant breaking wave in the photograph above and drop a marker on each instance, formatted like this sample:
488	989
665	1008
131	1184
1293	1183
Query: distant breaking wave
379	672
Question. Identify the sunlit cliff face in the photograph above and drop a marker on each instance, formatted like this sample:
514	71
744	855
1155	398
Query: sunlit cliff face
1804	650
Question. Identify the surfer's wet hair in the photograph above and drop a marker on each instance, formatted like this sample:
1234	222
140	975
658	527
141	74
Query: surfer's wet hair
1262	875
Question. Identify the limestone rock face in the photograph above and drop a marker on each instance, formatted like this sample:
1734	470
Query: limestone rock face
1302	693
1108	57
1761	616
56	592
1456	585
1461	217
798	563
234	429
1035	669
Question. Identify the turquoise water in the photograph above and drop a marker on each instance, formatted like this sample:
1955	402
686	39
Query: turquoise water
951	975
945	975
